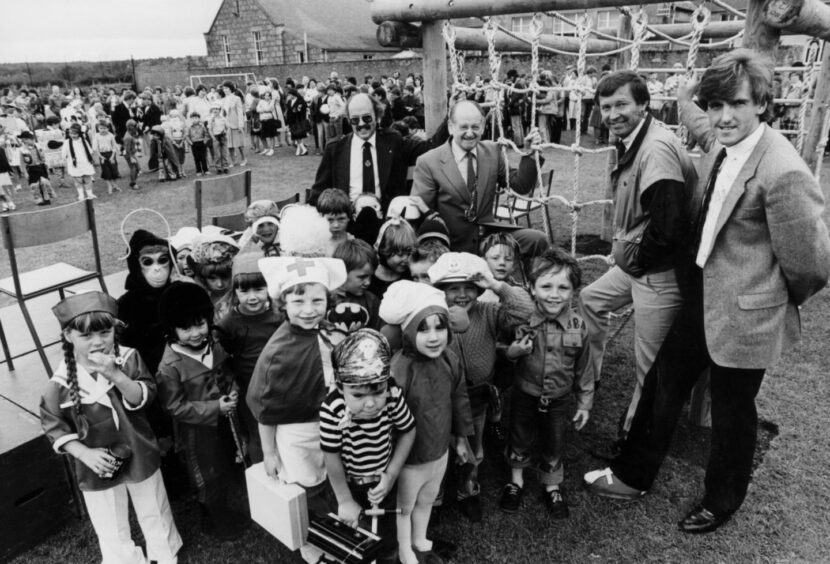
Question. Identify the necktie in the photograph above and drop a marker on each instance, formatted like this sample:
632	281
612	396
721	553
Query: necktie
472	212
620	150
707	197
368	169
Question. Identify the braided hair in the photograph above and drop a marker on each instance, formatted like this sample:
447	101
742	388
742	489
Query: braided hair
94	321
74	388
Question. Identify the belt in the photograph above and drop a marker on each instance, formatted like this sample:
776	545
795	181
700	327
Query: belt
364	480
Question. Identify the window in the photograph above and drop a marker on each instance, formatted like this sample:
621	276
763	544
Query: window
258	47
521	24
226	50
236	11
300	56
563	28
608	19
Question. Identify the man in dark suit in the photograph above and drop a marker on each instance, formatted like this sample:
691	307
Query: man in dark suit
369	159
121	114
464	200
150	118
760	250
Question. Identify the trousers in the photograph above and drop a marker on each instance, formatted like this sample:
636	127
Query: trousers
668	384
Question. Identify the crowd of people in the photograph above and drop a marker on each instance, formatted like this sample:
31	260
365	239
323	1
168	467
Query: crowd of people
364	345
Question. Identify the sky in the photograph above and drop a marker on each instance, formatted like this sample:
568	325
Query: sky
102	30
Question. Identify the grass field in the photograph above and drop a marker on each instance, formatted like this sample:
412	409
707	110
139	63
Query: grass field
784	519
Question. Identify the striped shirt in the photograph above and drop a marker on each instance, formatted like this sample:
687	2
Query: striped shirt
364	445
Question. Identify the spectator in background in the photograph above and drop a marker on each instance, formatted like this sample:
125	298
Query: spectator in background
121	114
235	123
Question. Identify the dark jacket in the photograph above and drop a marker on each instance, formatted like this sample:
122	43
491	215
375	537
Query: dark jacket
138	307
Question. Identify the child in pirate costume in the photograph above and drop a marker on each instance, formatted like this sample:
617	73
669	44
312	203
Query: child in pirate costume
366	432
93	410
196	388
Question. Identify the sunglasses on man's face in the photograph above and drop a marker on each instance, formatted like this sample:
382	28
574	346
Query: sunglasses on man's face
367	119
147	261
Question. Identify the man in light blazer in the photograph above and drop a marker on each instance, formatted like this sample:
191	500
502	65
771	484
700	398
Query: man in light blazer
466	205
761	249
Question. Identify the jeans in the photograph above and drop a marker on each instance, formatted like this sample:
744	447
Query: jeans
527	424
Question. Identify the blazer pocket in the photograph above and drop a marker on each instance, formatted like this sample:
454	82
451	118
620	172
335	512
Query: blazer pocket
749	213
764	300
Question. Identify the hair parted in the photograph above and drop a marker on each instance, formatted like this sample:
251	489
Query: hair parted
727	73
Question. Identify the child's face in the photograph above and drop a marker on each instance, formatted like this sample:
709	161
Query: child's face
253	300
307	310
267	232
461	294
338	222
433	339
155	268
217	284
92	342
418	271
193	336
358	280
73	133
102	129
501	260
398	261
552	292
365	402
181	260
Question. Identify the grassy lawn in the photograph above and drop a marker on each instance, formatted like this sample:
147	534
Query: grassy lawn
785	516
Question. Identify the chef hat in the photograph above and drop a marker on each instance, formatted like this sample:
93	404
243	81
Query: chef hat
402	206
303	232
184	237
85	302
456	267
281	273
406	303
362	358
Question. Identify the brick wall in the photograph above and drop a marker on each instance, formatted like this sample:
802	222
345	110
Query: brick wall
239	29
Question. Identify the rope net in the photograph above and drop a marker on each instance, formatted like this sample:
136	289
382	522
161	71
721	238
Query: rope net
642	35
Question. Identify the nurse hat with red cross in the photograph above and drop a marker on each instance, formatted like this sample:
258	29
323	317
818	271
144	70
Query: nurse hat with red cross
281	273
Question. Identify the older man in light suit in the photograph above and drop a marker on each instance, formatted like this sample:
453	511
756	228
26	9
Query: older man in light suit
459	180
761	250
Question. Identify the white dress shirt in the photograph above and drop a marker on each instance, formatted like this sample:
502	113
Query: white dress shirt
736	157
356	166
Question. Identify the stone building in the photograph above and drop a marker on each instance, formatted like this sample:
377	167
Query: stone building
277	32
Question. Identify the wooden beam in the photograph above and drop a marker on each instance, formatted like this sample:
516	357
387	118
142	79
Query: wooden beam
758	35
808	17
431	10
408	36
821	106
435	76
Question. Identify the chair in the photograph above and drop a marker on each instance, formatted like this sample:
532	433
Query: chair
222	190
516	208
37	228
232	222
295	199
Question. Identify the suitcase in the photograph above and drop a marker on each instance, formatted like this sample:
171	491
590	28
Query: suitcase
278	508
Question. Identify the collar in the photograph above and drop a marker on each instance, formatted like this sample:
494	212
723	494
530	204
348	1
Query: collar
460	154
538	318
205	356
629	140
745	146
373	140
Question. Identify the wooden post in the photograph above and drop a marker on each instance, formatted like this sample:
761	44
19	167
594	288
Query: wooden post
435	76
758	35
808	17
821	105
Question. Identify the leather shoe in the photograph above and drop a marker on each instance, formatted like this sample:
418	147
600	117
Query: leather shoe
604	483
608	451
471	508
700	520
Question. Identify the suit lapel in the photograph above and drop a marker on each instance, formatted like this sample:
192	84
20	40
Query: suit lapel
486	158
450	170
739	186
343	163
384	151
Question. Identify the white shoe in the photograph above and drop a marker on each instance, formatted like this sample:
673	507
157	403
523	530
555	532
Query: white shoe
270	153
243	163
